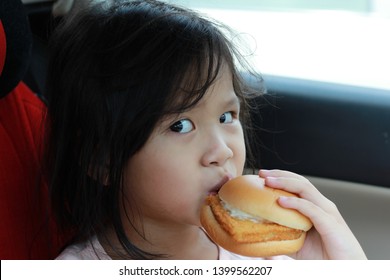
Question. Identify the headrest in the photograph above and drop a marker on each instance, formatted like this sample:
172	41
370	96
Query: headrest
15	44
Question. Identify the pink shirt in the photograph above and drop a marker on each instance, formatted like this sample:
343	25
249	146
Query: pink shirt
93	250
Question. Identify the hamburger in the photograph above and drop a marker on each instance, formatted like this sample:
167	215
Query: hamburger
245	218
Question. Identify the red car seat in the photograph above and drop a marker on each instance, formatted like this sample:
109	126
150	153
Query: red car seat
27	229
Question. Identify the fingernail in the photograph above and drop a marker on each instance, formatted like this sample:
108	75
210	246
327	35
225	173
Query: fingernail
272	179
264	172
283	198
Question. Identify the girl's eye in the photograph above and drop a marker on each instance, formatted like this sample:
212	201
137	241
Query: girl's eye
226	117
182	126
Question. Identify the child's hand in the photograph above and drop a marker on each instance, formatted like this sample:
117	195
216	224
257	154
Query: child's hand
330	237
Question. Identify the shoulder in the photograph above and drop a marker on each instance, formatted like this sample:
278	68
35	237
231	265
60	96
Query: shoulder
227	255
87	250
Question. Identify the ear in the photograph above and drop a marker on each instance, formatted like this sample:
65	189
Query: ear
100	174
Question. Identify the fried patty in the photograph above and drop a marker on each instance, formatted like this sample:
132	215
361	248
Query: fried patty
246	231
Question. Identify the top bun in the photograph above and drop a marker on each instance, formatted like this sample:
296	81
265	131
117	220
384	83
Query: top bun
248	193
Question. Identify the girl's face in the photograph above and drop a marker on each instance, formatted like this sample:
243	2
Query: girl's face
188	157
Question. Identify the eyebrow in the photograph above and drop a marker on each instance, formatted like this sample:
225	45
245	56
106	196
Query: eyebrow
233	101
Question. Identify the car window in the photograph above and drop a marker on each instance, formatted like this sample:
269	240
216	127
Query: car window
343	42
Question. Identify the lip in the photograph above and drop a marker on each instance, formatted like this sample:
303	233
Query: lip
218	186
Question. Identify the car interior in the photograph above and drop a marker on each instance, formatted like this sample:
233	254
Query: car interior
336	135
27	230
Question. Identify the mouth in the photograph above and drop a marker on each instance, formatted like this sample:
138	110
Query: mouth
218	186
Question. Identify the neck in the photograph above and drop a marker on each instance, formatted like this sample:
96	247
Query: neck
174	242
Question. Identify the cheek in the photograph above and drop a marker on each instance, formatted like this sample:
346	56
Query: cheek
239	150
157	181
242	155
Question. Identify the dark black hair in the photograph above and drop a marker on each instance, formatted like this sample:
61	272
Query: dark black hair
115	69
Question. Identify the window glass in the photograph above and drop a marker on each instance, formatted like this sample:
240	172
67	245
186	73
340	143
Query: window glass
344	42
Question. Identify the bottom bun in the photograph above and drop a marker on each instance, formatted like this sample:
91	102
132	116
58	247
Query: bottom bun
256	249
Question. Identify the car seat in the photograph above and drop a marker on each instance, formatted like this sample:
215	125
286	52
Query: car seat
27	229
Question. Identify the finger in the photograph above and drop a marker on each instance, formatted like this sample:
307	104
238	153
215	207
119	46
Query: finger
304	189
280	173
337	238
323	221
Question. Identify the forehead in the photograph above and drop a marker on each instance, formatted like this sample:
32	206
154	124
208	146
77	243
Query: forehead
196	89
221	91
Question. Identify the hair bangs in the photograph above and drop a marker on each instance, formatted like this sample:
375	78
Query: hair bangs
202	70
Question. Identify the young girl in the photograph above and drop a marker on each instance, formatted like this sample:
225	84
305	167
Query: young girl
146	116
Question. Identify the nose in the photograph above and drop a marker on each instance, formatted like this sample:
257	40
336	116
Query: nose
216	149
